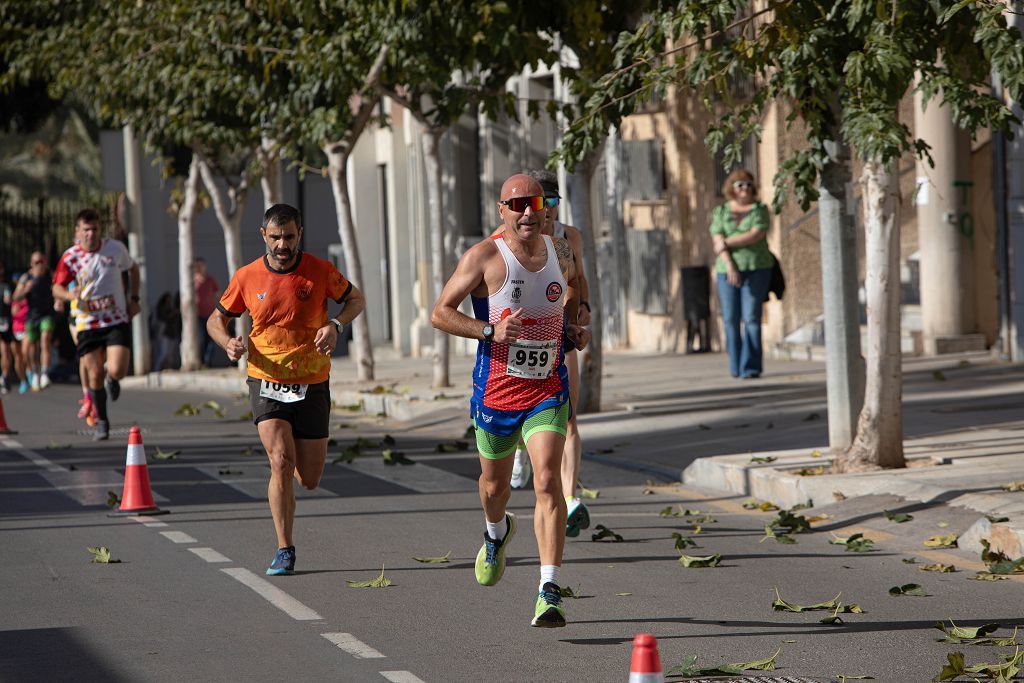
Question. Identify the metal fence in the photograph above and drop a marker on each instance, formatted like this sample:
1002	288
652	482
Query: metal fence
45	225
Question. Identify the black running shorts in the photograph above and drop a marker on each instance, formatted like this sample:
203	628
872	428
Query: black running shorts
101	338
309	418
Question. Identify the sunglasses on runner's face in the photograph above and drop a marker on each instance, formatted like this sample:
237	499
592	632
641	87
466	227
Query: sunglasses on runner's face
743	185
551	202
519	204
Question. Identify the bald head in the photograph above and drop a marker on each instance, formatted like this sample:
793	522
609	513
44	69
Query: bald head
521	185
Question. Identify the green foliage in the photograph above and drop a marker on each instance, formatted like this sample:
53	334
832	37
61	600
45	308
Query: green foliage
838	68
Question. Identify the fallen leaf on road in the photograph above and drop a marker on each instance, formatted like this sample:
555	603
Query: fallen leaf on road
939	376
212	405
697	528
947	541
588	493
391	457
1007	567
670	512
623	595
811	471
763	460
380	582
703	427
101	555
943	525
187	409
957	634
603	533
695	561
54	446
996	520
990	556
1014	486
245	417
835	619
839	495
248	450
842	678
908	589
794	524
165	455
228	472
909	560
690	669
1002	672
939	567
443	559
811	417
986	576
855	543
683	542
568	592
898	517
815	454
347	455
834	604
112	499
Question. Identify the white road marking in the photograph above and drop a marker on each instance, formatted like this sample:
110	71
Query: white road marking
401	677
352	645
209	554
416	477
178	537
45	463
272	594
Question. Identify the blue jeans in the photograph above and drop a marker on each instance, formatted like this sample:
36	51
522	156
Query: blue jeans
743	304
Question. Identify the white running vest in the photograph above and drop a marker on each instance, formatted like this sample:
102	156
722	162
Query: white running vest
520	375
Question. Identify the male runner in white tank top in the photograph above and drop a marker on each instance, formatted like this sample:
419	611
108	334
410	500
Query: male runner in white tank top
518	281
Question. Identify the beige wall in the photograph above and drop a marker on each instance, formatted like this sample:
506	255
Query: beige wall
794	236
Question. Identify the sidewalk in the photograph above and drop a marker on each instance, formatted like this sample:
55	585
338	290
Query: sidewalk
684	417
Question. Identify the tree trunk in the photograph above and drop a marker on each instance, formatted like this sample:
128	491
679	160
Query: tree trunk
844	367
190	359
337	163
879	441
591	358
432	159
270	177
229	217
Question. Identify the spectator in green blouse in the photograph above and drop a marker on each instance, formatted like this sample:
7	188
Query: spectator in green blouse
743	270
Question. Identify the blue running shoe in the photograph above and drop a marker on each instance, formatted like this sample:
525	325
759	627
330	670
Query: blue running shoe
284	562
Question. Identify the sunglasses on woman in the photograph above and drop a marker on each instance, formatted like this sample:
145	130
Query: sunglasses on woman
519	204
743	185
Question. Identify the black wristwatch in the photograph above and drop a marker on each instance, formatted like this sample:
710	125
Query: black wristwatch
488	332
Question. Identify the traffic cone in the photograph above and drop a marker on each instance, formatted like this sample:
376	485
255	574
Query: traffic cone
4	429
137	498
645	666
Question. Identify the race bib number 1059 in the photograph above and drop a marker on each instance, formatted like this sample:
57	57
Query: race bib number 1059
285	393
532	359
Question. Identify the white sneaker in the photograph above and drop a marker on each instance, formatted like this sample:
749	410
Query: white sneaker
44	381
36	382
521	470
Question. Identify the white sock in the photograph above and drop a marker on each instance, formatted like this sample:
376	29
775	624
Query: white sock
519	458
496	530
548	574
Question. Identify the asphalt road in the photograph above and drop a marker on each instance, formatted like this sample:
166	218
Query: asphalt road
189	599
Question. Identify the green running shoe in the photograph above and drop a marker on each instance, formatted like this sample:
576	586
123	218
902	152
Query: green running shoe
577	517
490	561
549	612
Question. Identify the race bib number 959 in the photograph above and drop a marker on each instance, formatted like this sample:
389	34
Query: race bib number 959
532	359
285	393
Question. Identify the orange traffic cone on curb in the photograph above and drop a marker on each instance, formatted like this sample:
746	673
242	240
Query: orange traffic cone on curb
4	429
137	498
645	666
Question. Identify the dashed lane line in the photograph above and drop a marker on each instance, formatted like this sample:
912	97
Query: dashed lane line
352	645
209	554
401	677
272	594
178	537
41	461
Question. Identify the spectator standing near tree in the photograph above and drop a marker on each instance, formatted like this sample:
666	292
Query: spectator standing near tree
207	290
739	228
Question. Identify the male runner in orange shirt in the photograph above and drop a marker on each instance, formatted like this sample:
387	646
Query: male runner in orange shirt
286	293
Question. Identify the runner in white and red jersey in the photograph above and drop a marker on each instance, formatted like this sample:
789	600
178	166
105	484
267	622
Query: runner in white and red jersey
95	265
519	281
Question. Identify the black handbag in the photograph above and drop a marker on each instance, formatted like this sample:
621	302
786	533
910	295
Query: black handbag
778	281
